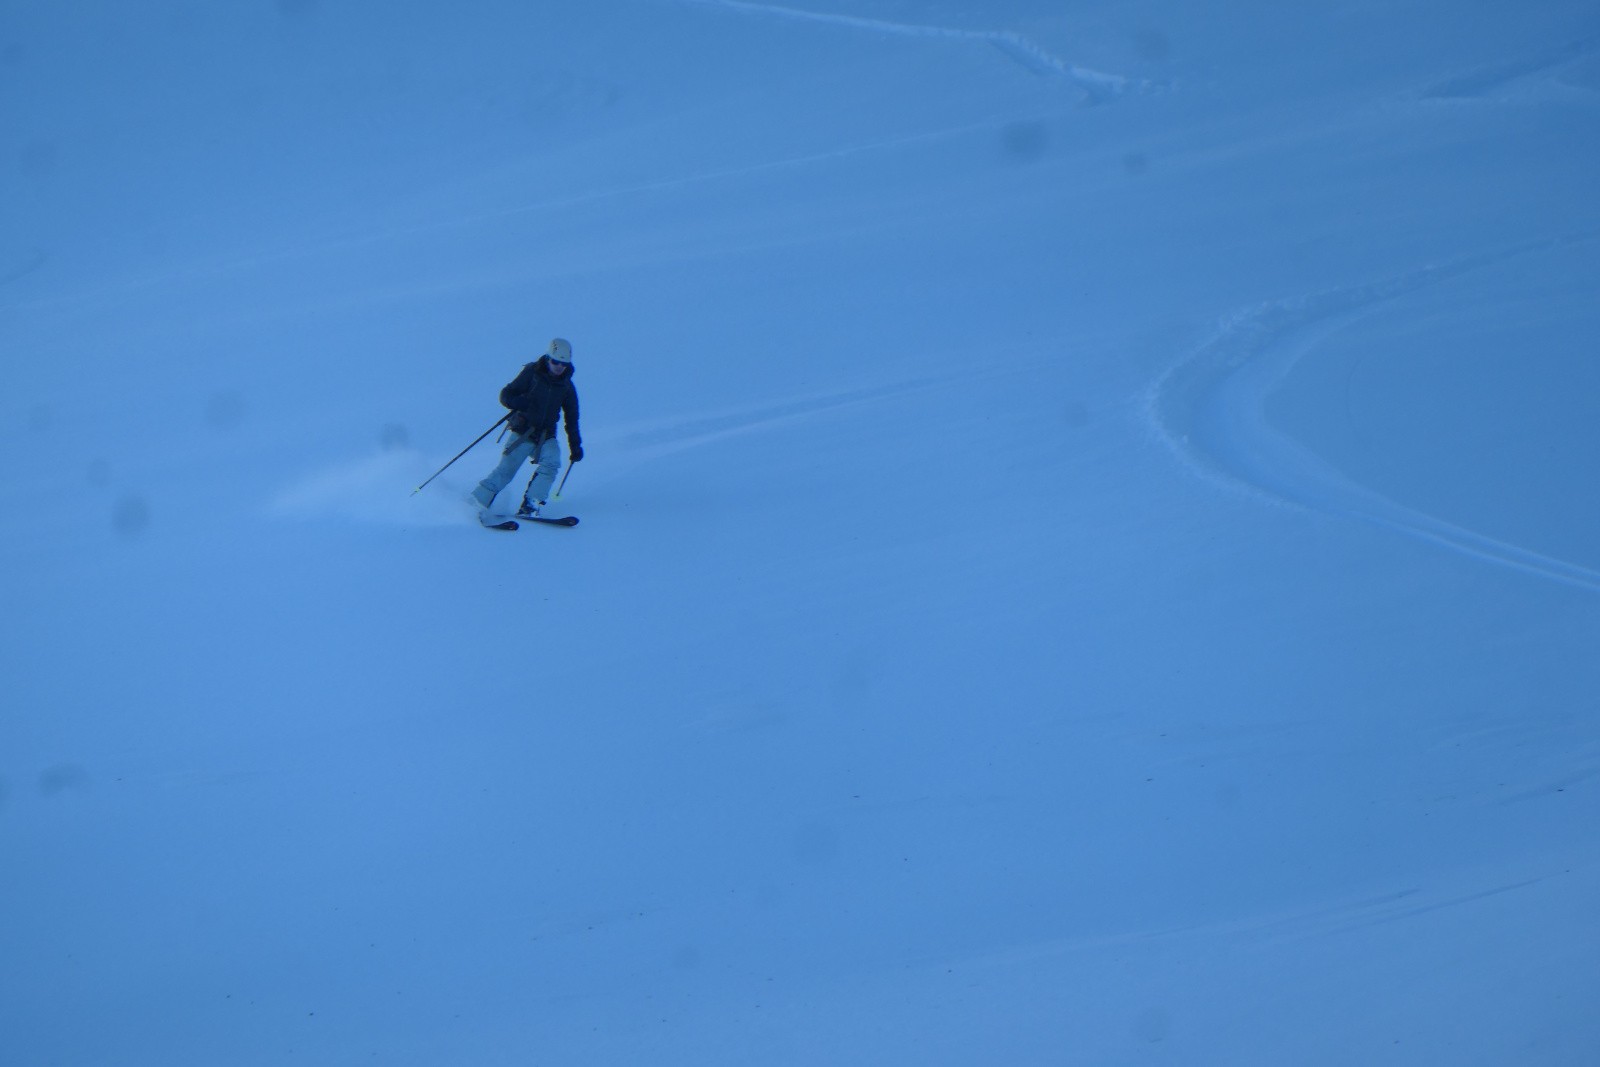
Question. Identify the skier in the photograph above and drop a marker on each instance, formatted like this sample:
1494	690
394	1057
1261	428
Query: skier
538	397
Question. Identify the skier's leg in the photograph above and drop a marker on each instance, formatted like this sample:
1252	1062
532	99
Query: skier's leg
516	453
544	476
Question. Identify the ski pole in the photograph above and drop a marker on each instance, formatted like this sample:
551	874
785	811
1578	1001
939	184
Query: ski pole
563	484
463	452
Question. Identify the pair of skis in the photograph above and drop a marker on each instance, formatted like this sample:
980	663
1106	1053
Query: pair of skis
502	522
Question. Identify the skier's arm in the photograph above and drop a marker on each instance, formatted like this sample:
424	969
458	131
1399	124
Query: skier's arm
515	394
569	410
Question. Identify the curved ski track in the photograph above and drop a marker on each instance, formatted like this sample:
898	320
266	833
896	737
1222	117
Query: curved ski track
1097	86
1209	409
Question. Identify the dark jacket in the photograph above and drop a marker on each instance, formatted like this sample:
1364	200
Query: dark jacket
538	398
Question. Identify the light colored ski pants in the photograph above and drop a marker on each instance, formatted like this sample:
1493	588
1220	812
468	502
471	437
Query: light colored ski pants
519	450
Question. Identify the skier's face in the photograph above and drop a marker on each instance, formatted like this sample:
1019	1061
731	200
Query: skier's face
556	368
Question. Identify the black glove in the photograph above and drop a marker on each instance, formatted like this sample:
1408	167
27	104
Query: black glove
577	453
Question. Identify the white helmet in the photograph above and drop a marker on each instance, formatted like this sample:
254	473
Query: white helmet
560	351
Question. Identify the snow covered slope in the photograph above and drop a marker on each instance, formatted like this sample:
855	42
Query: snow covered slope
1088	553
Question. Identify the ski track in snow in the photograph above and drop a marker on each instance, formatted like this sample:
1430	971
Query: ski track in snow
1347	916
680	434
1097	86
1209	409
1313	922
1491	82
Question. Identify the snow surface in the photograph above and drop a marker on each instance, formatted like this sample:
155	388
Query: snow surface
1090	551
